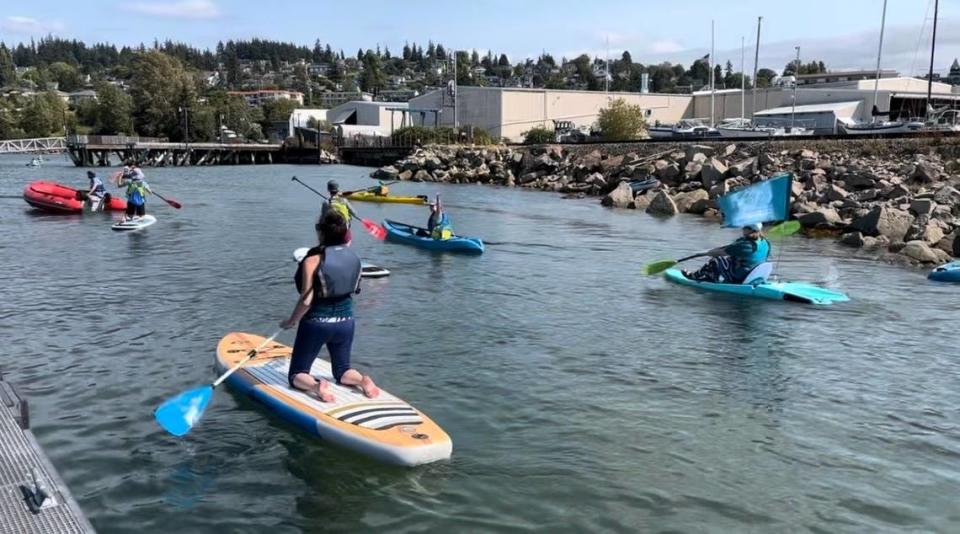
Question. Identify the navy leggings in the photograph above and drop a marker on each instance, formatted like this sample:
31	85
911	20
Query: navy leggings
312	335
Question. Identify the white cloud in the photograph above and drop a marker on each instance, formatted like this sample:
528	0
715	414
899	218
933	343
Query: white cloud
666	47
29	26
184	9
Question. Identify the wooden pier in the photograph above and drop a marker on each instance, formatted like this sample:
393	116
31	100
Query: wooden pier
112	150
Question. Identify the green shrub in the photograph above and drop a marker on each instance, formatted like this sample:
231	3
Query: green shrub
621	121
537	135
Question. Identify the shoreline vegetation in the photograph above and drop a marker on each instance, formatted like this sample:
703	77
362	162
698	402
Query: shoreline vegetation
898	199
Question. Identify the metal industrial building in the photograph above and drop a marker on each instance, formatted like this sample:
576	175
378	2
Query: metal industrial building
508	112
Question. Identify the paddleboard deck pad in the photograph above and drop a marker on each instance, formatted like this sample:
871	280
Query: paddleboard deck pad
134	224
385	428
367	270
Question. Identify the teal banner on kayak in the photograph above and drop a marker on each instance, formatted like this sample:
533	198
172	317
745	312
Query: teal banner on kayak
764	201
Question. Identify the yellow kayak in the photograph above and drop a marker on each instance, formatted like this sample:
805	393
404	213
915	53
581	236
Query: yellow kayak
367	196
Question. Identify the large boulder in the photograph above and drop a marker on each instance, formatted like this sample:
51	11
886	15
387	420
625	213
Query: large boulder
834	192
662	204
387	174
405	175
920	251
684	201
889	222
701	206
853	239
950	243
591	161
422	176
691	152
922	206
641	202
745	168
667	172
611	164
621	197
925	173
821	218
712	172
859	180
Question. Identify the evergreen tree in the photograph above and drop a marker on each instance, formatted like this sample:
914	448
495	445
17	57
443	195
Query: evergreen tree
8	72
407	53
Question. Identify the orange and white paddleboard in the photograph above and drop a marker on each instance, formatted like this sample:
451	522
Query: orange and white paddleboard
385	428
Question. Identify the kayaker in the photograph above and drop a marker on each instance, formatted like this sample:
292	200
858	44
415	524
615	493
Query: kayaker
327	279
339	204
438	225
732	263
381	190
137	191
97	192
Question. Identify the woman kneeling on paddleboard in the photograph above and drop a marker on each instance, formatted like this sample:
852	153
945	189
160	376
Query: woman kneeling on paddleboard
732	263
327	279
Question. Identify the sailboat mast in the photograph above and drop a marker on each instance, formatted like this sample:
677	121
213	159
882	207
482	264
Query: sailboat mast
933	49
743	82
713	88
876	82
756	62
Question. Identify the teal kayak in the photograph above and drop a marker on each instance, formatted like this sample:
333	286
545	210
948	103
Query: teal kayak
419	237
949	272
789	291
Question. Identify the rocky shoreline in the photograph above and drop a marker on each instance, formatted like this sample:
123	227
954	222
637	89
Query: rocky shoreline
897	198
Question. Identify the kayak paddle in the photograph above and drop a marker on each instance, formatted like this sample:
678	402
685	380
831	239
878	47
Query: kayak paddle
781	230
658	267
374	229
178	414
784	229
172	203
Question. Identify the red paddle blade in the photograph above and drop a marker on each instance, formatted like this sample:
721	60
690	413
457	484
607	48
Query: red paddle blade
173	203
375	229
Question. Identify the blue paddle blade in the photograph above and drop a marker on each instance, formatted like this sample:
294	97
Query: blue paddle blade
178	414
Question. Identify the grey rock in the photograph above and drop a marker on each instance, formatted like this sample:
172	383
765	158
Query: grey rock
881	220
621	197
387	174
919	251
853	239
701	206
422	176
662	204
745	168
712	172
641	202
922	206
405	175
684	201
924	172
834	192
667	172
821	218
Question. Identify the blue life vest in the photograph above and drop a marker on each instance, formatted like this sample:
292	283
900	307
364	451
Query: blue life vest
747	254
337	276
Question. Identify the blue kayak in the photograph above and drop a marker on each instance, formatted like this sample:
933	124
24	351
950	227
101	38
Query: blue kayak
419	237
789	291
949	272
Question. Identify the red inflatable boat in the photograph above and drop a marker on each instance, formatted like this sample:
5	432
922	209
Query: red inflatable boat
56	198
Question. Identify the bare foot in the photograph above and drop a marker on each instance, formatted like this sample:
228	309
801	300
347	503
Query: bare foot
323	391
369	388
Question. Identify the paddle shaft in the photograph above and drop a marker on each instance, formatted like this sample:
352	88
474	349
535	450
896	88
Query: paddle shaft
250	355
325	197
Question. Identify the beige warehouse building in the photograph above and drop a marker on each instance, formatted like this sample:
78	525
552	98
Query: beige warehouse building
508	112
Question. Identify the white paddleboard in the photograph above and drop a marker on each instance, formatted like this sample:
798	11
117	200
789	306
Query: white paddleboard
367	270
134	224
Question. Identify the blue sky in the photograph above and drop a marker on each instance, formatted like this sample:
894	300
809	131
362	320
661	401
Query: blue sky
843	33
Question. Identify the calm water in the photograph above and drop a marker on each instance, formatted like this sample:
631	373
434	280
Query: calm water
580	396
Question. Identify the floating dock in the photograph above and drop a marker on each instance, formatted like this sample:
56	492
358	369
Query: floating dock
33	499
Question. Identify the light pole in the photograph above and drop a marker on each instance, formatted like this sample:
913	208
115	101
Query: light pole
796	82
